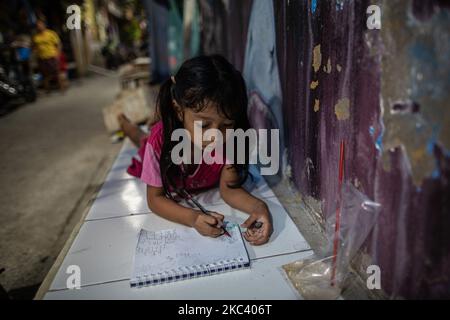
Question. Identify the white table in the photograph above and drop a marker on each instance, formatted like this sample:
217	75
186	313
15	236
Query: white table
104	247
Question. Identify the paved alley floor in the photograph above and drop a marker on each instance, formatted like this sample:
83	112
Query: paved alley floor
51	153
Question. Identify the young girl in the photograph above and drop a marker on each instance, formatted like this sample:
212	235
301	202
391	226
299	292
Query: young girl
207	89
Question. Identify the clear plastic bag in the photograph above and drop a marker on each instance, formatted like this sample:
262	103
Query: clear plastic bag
311	278
322	277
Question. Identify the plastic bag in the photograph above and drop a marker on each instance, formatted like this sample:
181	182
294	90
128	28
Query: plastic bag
322	277
311	278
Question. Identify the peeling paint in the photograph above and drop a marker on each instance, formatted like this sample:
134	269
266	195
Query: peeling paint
379	143
314	84
317	58
316	105
342	109
418	155
328	67
313	6
433	140
415	87
338	67
339	5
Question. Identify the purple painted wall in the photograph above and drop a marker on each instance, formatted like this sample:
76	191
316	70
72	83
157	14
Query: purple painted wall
362	86
385	93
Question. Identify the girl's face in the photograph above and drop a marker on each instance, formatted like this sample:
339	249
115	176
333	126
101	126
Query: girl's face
210	119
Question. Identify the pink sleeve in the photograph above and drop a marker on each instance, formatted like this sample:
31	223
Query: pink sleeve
151	174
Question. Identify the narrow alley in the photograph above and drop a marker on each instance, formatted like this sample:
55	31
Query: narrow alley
54	152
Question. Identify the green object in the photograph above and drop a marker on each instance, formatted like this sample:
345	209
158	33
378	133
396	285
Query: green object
175	36
192	40
132	31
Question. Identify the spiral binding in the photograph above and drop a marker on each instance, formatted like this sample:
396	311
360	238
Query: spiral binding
184	273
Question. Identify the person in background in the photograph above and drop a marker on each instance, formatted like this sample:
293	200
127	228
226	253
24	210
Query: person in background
62	60
47	45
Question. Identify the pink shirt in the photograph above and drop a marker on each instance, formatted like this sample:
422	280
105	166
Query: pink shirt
205	176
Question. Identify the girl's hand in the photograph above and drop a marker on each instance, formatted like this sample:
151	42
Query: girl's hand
209	226
258	236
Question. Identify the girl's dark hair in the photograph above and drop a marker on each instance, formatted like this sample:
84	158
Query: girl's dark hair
199	82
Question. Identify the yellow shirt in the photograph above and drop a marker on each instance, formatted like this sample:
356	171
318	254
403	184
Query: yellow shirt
46	43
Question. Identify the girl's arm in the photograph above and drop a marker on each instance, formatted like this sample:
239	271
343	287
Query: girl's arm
170	210
240	199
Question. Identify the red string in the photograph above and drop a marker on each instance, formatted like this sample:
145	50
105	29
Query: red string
338	212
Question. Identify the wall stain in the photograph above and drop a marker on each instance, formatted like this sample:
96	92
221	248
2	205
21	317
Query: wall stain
316	105
328	67
420	78
317	58
314	84
342	109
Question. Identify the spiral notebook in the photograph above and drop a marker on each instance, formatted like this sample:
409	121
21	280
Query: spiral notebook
182	253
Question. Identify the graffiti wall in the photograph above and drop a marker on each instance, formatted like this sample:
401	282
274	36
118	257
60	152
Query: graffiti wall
324	77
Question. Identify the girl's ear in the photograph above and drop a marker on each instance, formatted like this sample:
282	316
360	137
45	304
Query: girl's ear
178	110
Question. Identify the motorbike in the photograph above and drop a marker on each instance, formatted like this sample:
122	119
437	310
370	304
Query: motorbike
16	84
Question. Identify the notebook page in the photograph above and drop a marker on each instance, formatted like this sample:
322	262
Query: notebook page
173	249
